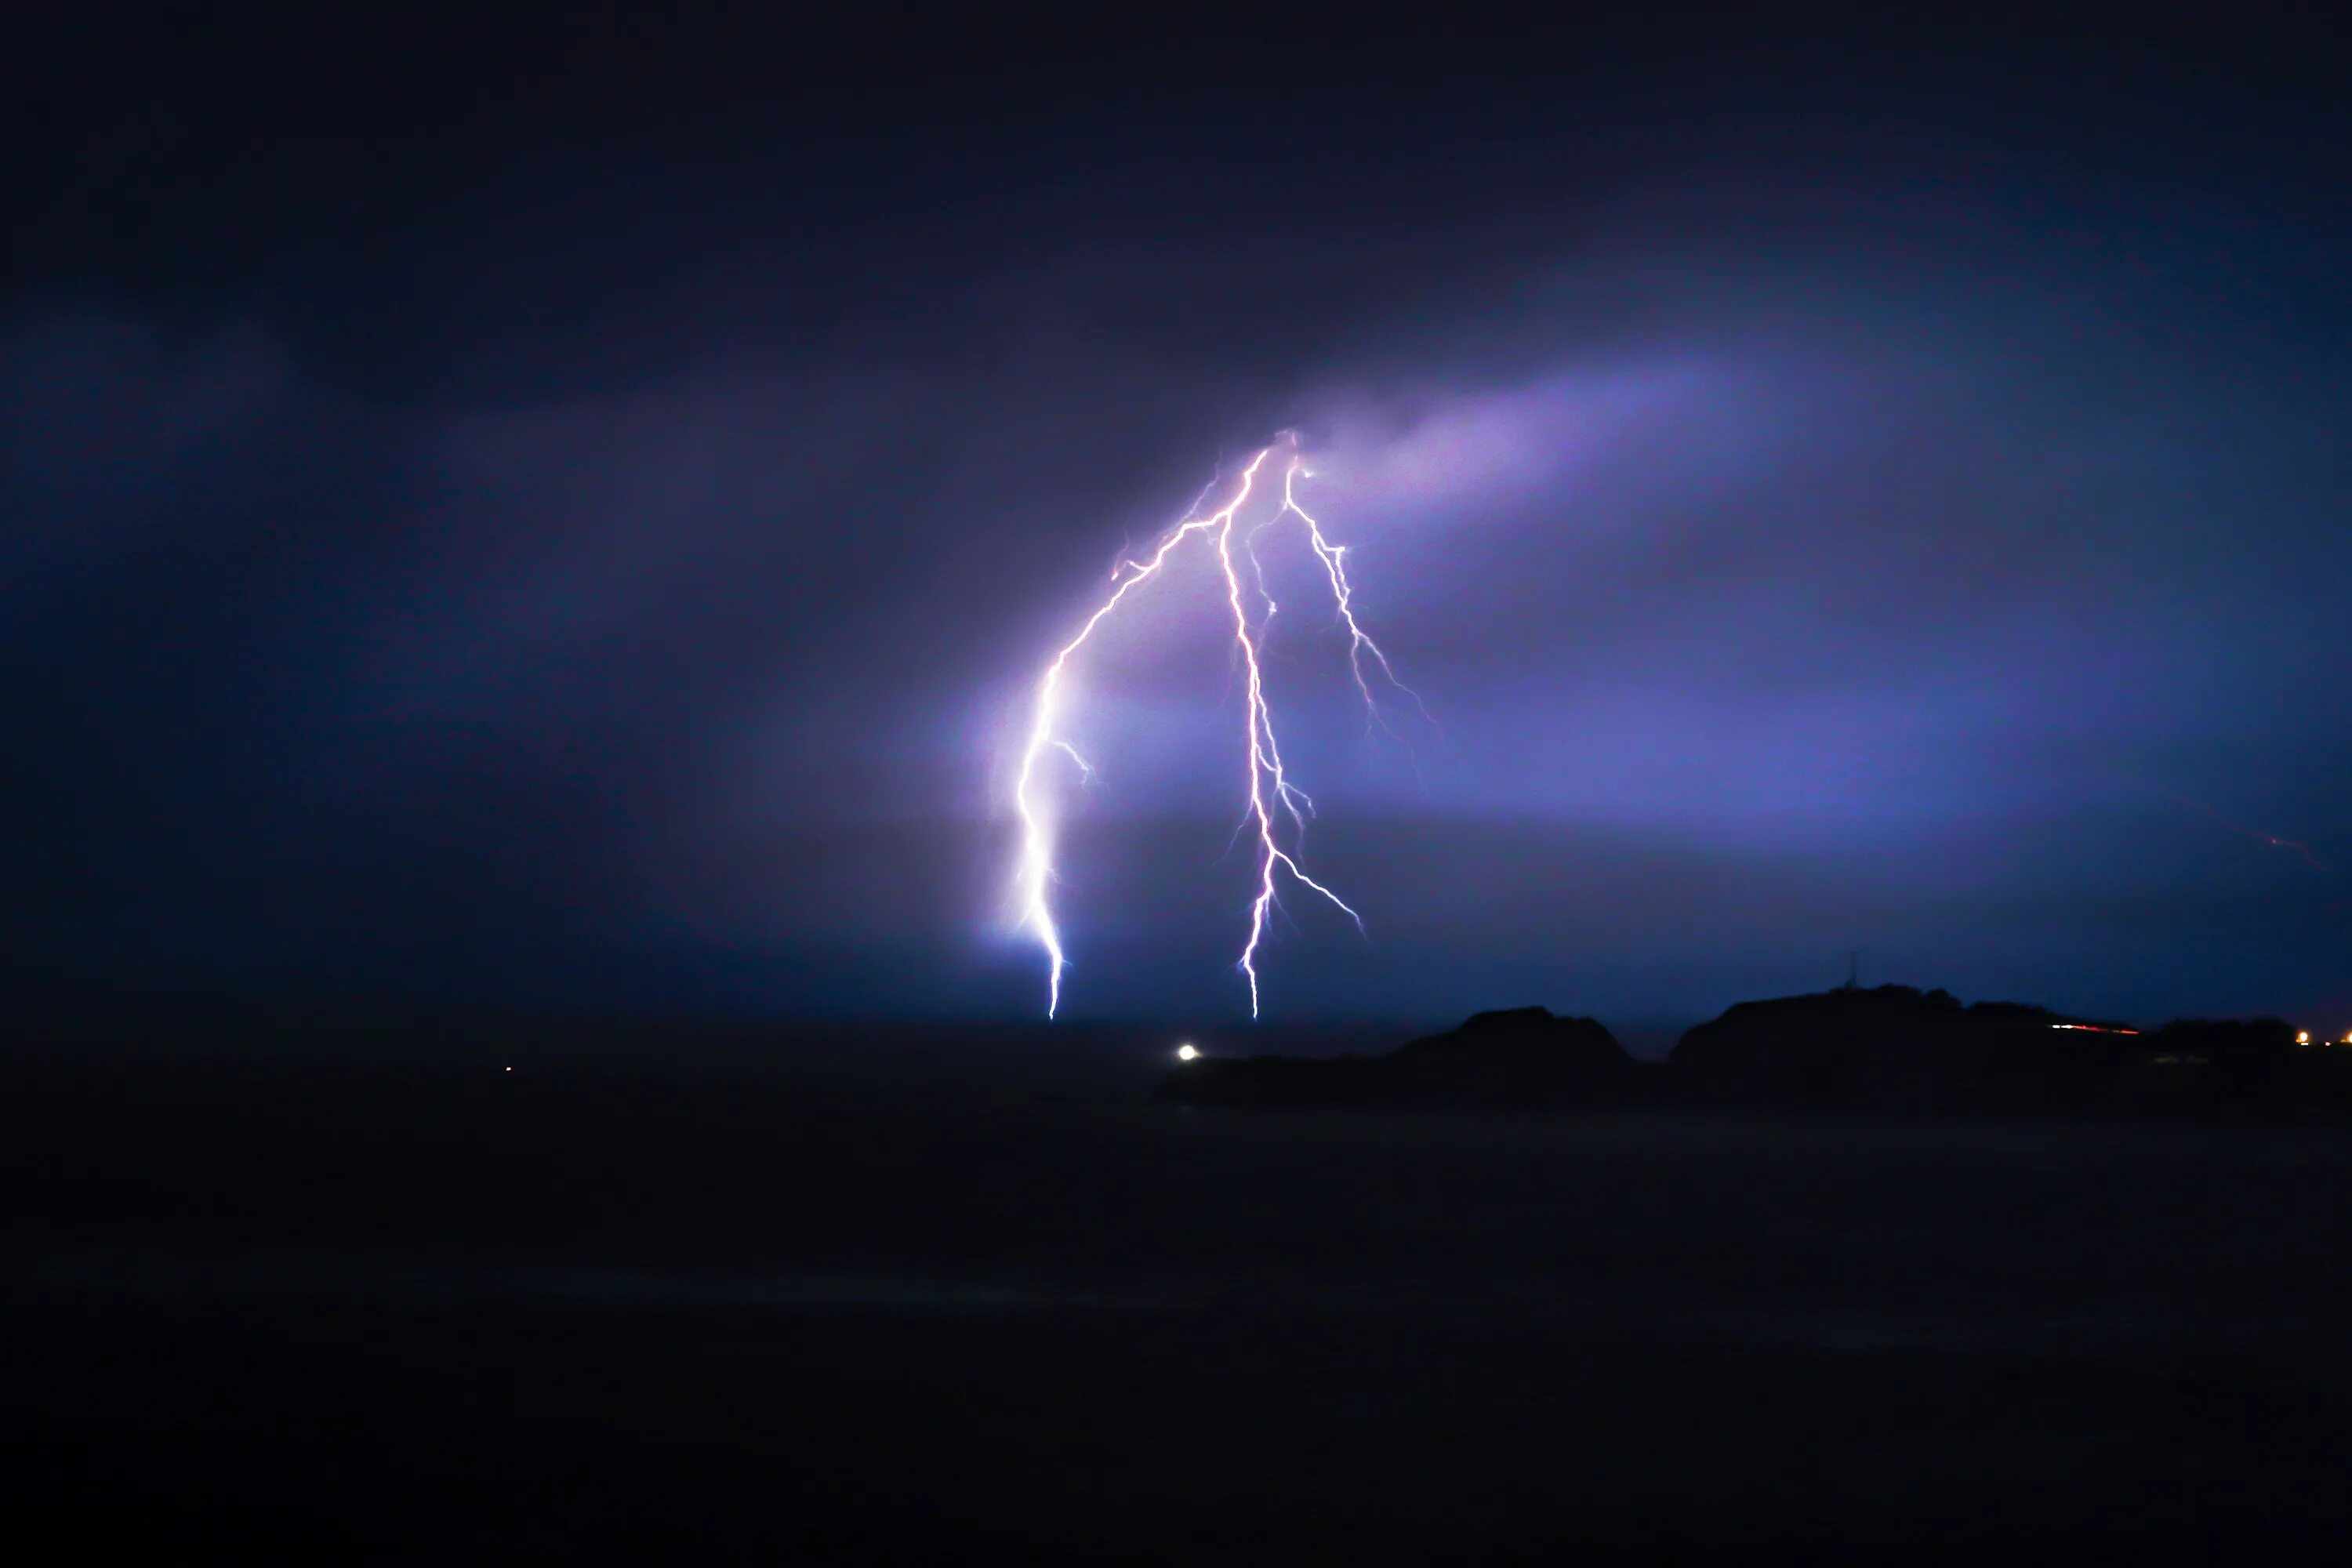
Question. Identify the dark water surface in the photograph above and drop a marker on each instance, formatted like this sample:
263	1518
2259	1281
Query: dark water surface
475	1315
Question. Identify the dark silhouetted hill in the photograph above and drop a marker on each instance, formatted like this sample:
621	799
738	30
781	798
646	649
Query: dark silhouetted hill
1893	1048
1518	1056
1887	1050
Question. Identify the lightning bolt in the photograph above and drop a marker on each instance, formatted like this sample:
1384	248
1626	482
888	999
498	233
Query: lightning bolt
1270	795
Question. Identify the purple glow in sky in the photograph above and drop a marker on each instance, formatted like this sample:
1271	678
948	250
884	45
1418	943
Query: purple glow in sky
511	562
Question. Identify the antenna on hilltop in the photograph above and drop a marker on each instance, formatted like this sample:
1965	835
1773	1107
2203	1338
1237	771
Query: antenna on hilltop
1852	971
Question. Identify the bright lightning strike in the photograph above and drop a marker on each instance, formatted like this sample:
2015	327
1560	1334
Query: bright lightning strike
1270	795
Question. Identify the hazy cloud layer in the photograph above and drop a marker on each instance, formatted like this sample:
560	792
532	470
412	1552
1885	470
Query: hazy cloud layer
624	581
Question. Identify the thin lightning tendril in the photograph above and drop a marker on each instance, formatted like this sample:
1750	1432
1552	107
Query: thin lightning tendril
1335	566
1270	792
2294	846
1086	774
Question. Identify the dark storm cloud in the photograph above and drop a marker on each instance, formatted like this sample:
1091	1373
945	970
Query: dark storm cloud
504	508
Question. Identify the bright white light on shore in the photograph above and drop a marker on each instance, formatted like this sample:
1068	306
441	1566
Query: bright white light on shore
1186	1053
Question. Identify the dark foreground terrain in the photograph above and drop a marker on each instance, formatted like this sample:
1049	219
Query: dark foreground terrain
456	1313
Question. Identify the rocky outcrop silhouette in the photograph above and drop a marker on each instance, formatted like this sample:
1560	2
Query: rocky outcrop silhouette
1520	1056
1887	1050
1893	1048
1897	1048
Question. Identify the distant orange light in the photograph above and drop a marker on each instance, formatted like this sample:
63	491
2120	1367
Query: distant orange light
2302	1036
2095	1028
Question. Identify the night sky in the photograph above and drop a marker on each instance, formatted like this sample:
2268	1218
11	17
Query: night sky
534	506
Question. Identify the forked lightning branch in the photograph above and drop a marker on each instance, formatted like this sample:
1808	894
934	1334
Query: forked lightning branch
1276	809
